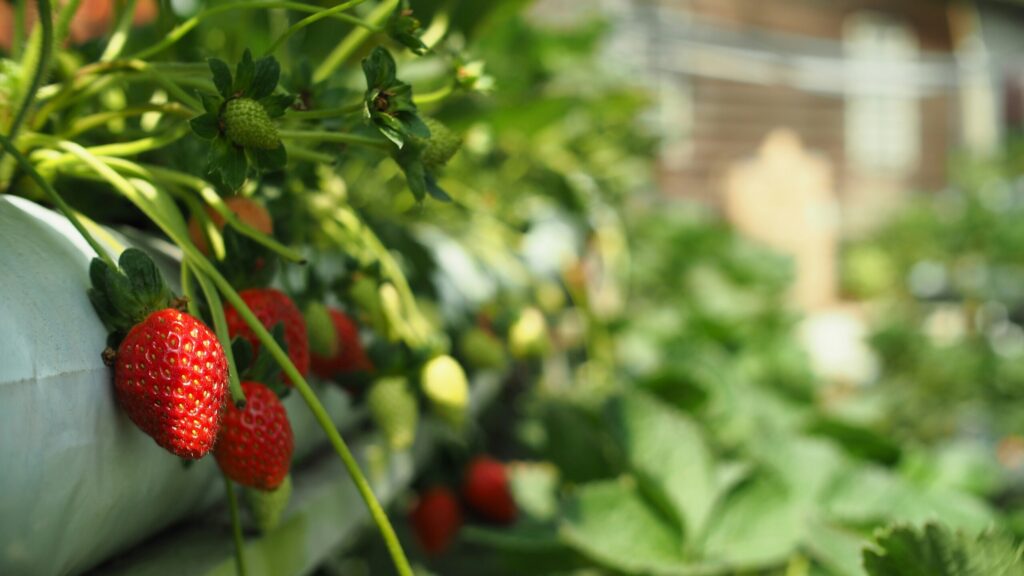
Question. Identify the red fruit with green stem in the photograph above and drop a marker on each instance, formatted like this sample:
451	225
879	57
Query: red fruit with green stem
436	519
273	307
486	489
170	372
255	444
350	357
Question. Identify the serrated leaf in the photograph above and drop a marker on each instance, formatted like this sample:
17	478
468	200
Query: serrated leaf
265	78
221	76
245	71
270	160
667	452
611	523
206	126
935	550
277	104
758	525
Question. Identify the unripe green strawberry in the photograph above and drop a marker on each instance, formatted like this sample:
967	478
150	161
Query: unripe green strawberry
528	336
393	407
446	387
323	339
442	145
267	506
481	349
247	124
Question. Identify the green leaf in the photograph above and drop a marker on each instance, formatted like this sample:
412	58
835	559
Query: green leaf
934	550
535	488
277	104
242	350
415	126
245	71
379	68
391	128
611	523
759	525
231	162
206	126
416	178
270	160
221	76
403	28
146	281
265	78
435	191
837	549
668	454
211	103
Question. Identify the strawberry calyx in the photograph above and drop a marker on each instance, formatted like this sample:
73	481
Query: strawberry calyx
126	295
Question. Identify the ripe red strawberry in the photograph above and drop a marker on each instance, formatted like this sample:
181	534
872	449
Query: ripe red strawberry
255	443
171	378
272	307
351	356
436	518
485	488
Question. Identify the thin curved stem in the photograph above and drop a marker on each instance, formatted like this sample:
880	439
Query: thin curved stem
68	212
326	112
45	15
187	26
120	35
220	327
435	96
352	41
91	121
236	526
310	20
336	137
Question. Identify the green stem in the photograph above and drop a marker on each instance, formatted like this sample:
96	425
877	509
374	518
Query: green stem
67	12
299	153
120	35
236	526
220	326
186	289
353	41
213	199
309	20
45	15
18	34
435	96
55	198
322	418
91	121
187	26
337	137
326	112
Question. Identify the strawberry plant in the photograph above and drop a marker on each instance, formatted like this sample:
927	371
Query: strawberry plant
444	210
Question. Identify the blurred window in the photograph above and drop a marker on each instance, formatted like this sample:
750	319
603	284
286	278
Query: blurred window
883	119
